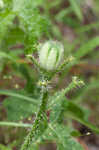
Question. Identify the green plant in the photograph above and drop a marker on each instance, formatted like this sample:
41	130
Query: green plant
49	55
24	28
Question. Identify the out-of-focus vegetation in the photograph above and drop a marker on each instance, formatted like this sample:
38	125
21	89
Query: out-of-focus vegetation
24	24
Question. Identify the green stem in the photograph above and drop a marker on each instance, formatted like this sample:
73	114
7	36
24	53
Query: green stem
40	123
14	124
75	82
69	60
17	95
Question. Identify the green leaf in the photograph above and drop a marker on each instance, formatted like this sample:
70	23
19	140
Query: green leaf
72	110
14	124
63	139
89	27
73	23
2	147
75	112
8	56
76	133
87	47
18	109
18	96
8	4
62	14
15	36
76	7
6	19
57	111
35	25
70	145
18	5
17	104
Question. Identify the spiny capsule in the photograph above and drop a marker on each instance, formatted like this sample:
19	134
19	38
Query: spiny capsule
51	54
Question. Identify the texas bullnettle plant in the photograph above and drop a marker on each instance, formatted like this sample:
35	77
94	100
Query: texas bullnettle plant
24	26
50	62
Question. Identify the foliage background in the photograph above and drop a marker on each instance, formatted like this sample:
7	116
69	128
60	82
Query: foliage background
23	25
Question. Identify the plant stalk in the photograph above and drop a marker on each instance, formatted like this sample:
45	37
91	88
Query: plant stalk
40	122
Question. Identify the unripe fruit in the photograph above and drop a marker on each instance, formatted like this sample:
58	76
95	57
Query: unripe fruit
51	54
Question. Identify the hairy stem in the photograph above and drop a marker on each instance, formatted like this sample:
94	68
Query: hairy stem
40	123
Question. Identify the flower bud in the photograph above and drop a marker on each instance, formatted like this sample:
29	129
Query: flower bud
51	54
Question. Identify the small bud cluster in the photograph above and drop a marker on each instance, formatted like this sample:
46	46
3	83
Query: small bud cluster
77	81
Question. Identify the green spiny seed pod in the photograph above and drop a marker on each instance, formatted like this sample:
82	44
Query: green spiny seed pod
51	54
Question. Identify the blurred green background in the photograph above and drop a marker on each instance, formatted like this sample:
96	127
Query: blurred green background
23	25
